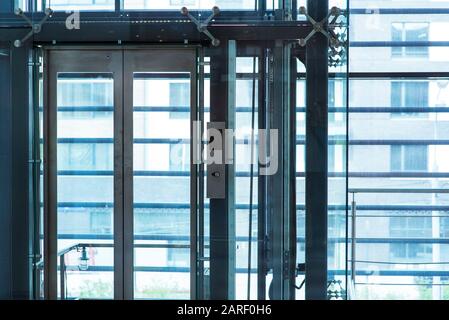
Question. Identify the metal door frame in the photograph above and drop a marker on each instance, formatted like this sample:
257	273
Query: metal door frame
122	62
59	61
157	60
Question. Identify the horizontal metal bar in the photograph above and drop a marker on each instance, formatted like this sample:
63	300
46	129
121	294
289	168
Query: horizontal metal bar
398	11
137	173
108	205
401	208
396	190
402	263
389	175
405	273
162	237
398	215
402	110
401	284
247	174
351	109
382	44
142	76
149	269
406	74
152	30
393	142
408	273
332	141
137	109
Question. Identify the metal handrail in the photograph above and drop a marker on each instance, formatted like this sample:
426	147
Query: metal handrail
397	190
353	261
63	267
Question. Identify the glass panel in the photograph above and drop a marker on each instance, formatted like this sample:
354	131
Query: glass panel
300	174
337	188
161	185
247	76
86	182
191	4
63	5
401	119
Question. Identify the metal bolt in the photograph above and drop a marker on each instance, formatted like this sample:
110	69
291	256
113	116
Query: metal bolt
215	42
215	10
184	11
216	174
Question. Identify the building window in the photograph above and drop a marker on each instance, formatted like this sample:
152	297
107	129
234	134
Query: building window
410	32
444	227
82	156
409	158
100	222
179	157
81	92
409	94
180	98
336	158
411	227
182	2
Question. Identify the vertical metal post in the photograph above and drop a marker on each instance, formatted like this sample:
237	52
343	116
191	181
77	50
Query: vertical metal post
128	176
194	169
50	180
118	5
20	173
261	211
353	238
316	157
292	187
119	181
294	9
201	294
6	139
283	255
261	7
35	210
222	211
62	276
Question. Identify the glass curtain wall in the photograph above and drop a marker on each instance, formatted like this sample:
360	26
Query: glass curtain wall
399	97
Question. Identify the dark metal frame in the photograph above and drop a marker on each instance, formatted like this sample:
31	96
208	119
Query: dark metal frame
271	34
222	211
316	167
60	61
122	65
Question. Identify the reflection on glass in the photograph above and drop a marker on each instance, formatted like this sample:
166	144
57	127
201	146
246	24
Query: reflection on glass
337	179
63	5
85	183
161	186
247	78
190	4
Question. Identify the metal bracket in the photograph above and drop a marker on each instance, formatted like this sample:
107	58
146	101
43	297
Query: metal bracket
319	27
337	40
35	27
202	26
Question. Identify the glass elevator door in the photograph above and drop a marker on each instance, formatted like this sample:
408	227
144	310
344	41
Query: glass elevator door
120	194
